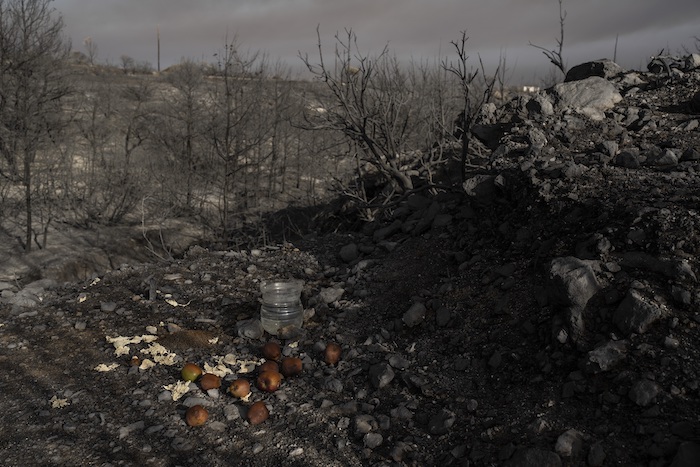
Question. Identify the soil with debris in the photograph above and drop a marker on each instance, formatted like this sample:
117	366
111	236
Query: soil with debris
547	314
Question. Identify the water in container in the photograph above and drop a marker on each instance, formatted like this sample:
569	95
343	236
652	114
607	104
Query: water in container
281	305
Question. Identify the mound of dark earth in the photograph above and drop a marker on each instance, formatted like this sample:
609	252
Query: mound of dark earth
545	313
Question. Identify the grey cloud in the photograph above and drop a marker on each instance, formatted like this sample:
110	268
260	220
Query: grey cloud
411	28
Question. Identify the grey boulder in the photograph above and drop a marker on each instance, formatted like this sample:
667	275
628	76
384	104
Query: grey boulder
590	96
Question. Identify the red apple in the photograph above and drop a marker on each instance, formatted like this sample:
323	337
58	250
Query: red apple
291	366
239	388
196	415
258	413
269	381
269	366
190	372
271	350
332	353
209	381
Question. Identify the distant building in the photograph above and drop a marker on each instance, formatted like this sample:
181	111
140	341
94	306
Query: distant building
530	89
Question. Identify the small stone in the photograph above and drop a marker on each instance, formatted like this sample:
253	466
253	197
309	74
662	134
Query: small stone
572	282
108	307
538	426
231	412
330	294
80	325
636	313
217	426
569	443
681	295
398	362
671	343
627	159
154	429
459	451
637	236
71	427
343	423
388	246
414	315
381	375
297	452
443	316
643	392
690	154
334	385
192	401
373	440
401	413
349	253
692	61
181	444
399	451
606	356
250	328
364	424
127	430
667	158
609	147
347	408
28	314
441	422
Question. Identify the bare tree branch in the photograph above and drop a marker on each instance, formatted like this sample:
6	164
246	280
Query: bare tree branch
472	102
556	56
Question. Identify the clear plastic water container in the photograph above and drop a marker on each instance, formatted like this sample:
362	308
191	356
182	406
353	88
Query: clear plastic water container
281	305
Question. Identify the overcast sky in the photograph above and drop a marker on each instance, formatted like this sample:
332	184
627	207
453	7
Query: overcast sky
418	29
